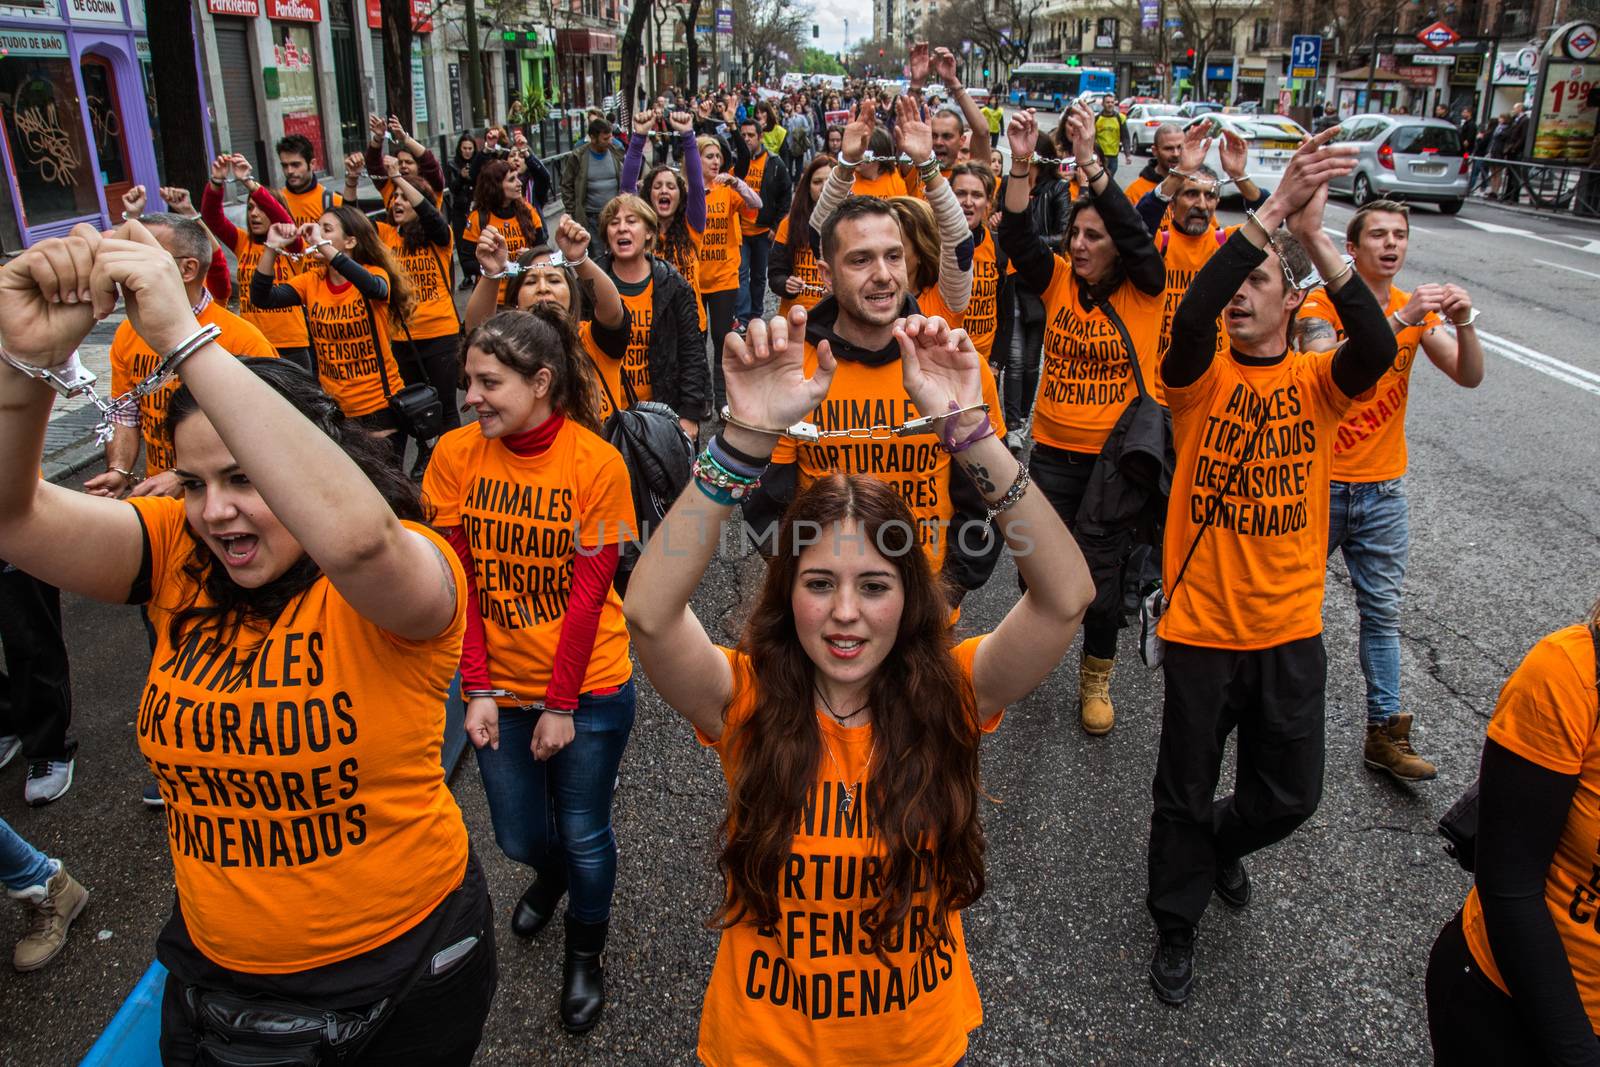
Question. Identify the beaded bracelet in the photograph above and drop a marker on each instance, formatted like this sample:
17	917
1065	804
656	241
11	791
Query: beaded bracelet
1014	494
721	486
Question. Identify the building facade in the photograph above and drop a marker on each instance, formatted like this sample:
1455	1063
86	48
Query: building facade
77	106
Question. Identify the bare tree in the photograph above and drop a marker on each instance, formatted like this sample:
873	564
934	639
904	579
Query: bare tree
632	53
397	15
764	31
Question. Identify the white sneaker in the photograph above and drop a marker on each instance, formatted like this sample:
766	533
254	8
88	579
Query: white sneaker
47	781
10	745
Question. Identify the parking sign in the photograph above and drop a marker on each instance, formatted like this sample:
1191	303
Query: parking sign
1305	56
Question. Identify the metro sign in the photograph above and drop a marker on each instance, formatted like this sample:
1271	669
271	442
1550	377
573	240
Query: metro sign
1438	36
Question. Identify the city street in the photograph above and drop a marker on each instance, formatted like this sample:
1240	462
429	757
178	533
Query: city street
1325	966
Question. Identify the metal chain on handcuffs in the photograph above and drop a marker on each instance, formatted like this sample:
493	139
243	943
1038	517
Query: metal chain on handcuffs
809	432
556	259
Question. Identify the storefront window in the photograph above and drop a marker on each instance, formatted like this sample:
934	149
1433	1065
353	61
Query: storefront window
106	118
297	84
44	131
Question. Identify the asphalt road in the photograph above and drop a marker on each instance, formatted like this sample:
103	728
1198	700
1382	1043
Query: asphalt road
1327	963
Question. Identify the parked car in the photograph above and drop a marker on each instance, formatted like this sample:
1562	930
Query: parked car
1195	108
1143	122
1404	158
1268	147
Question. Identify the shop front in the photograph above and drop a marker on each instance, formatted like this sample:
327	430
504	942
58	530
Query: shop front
583	55
77	113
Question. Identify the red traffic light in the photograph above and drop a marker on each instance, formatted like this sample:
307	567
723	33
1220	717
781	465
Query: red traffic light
880	53
1190	53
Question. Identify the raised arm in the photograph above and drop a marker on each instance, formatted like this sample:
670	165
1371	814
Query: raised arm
694	175
263	293
211	212
944	65
1026	249
573	241
767	386
955	238
857	134
435	227
493	257
633	158
941	370
1461	355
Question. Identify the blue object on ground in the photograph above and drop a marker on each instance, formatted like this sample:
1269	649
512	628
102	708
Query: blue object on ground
133	1036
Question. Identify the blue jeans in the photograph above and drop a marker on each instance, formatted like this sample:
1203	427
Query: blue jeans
753	277
1371	523
21	865
558	812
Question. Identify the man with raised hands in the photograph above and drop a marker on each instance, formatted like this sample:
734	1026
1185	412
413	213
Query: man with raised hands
1369	517
1254	428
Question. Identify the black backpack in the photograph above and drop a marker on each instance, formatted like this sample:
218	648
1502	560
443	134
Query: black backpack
659	457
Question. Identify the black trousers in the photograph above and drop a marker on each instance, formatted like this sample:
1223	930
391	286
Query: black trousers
1469	1019
1275	698
439	358
1022	370
300	357
466	253
719	318
1062	477
36	690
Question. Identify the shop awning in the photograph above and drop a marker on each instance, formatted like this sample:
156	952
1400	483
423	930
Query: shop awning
586	42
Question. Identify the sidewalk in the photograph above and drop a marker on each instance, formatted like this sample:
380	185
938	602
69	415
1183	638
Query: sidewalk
69	444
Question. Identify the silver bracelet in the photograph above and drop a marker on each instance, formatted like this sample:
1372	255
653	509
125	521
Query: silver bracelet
1014	494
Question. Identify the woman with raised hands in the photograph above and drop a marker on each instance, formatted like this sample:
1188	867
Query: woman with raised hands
418	236
872	178
848	718
603	330
1102	299
294	577
499	200
284	328
408	156
349	304
679	199
792	271
720	250
544	667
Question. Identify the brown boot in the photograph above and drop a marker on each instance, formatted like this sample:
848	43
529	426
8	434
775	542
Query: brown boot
1389	749
50	909
1094	695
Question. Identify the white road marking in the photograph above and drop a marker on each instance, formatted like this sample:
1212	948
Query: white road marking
1562	266
1590	246
1528	357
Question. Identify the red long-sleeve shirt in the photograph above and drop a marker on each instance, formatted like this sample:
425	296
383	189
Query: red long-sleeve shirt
592	574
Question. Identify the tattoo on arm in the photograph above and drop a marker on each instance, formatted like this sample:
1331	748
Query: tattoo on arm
448	576
1314	330
980	477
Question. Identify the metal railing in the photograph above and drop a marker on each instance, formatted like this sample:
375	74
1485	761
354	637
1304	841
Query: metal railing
1548	185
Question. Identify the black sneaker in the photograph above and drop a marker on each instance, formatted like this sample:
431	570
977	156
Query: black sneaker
1233	884
1172	968
152	796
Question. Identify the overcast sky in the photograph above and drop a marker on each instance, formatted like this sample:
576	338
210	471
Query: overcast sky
829	15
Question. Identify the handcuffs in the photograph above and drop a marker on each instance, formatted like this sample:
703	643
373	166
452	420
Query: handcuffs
810	433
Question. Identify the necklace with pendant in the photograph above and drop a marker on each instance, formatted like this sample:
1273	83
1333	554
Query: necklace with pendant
840	719
847	799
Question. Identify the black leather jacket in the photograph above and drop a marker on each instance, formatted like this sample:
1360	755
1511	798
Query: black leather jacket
1048	206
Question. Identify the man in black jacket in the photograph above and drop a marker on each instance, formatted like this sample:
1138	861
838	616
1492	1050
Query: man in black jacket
1247	525
770	180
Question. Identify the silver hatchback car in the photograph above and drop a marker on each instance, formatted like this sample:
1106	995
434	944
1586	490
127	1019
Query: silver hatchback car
1404	158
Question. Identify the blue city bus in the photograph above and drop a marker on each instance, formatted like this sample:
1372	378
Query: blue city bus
1052	86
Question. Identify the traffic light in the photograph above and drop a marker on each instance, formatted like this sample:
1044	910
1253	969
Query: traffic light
985	72
815	31
880	53
1190	53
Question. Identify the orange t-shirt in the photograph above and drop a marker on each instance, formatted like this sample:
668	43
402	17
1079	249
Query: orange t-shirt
306	807
525	518
516	241
752	178
1546	714
310	205
1371	446
808	992
132	361
342	338
608	367
1137	188
1256	577
429	272
686	261
888	183
639	299
981	319
863	395
930	302
805	268
720	245
1087	379
283	327
1184	256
